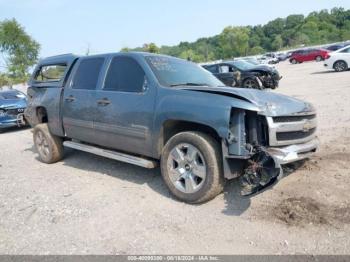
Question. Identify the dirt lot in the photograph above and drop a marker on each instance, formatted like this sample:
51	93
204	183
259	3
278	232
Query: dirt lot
90	205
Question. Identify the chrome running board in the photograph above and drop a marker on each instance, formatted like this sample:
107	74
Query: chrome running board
138	161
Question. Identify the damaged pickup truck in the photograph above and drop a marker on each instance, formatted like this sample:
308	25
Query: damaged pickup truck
148	109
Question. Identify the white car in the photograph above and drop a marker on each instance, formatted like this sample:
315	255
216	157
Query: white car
267	60
339	60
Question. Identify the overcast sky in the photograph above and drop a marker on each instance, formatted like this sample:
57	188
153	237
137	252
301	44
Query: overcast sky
64	26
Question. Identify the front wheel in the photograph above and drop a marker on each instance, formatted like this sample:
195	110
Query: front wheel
251	83
191	166
340	66
293	61
49	146
318	58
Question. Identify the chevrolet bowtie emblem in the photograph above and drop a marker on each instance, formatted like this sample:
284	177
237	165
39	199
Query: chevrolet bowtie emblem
307	126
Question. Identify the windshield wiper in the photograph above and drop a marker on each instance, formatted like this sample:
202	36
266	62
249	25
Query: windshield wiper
189	84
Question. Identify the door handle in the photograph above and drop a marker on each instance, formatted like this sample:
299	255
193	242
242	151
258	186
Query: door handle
103	102
70	99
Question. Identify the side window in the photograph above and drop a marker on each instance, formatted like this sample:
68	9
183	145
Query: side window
125	74
87	74
213	69
50	73
224	69
347	50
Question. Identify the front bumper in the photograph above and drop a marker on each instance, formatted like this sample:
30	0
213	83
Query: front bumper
12	121
293	153
8	123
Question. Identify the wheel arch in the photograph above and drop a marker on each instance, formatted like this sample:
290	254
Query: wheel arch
41	114
340	60
172	127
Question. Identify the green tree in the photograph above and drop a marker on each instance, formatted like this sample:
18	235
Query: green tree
19	50
293	21
125	49
191	55
256	50
277	43
152	48
234	41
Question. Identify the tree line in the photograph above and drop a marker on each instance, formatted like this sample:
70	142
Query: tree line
281	33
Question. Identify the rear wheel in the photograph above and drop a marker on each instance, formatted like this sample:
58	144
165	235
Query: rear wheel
191	166
293	61
49	146
318	58
340	66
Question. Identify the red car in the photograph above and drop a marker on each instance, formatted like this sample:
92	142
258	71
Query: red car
309	55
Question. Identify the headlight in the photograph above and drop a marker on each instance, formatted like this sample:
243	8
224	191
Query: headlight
20	96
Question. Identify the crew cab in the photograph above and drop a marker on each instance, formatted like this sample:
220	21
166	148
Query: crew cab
310	54
151	110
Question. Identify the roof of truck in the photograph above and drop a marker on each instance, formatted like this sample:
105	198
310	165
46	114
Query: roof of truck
64	59
69	58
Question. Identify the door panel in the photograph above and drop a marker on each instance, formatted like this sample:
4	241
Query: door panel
79	108
125	121
78	114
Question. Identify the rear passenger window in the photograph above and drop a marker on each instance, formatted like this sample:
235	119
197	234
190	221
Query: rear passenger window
346	50
125	74
225	69
212	69
87	74
50	73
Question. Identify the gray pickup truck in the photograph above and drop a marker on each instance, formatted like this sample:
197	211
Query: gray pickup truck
148	109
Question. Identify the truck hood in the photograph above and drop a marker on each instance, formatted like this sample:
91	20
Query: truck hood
269	103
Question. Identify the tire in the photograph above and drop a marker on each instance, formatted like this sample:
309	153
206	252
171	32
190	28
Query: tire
234	83
251	83
178	168
340	66
49	146
318	58
293	61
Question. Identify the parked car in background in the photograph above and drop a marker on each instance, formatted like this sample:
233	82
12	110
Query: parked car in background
282	56
311	54
253	61
335	47
240	73
267	60
339	60
12	106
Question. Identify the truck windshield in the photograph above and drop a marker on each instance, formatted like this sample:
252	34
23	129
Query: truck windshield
173	72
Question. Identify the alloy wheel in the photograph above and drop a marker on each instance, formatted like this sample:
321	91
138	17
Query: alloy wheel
186	168
42	144
250	84
340	66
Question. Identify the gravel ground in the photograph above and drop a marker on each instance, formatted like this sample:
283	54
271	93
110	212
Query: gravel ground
90	205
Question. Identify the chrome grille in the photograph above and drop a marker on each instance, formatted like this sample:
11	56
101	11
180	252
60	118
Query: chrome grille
283	119
14	111
293	129
283	136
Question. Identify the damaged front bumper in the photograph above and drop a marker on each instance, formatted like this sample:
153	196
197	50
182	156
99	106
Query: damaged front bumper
264	167
12	121
293	153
